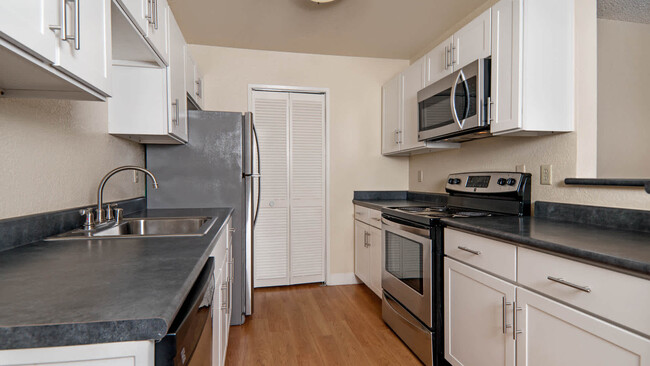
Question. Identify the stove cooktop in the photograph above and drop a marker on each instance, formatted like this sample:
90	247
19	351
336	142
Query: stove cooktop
440	211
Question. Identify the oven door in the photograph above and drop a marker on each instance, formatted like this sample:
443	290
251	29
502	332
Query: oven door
456	104
406	266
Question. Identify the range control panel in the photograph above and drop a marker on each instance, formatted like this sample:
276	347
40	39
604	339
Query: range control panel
487	182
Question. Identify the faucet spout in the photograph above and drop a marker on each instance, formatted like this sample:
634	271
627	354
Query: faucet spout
101	217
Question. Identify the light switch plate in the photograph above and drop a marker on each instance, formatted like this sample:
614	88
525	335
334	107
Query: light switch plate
136	176
545	174
420	176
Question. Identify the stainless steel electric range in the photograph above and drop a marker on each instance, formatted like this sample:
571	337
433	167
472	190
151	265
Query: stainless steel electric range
412	253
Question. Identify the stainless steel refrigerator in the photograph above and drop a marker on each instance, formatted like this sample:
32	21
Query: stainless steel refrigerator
215	169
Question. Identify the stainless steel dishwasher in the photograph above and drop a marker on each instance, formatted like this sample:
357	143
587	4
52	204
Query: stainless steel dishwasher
189	339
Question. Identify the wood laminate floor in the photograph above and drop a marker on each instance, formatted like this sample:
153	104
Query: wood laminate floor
316	325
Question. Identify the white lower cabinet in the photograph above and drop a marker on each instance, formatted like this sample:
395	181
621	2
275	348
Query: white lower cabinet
140	353
367	251
553	334
495	321
223	272
478	317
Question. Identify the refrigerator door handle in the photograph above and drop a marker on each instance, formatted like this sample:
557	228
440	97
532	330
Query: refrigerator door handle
258	175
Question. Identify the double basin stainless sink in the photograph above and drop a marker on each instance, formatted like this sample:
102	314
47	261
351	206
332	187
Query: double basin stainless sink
144	227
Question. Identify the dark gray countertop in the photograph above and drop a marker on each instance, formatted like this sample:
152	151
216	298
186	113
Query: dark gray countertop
83	292
620	249
379	204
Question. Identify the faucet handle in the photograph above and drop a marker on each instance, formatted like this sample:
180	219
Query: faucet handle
118	214
89	220
109	211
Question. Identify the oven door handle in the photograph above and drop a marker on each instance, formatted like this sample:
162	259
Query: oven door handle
390	302
422	232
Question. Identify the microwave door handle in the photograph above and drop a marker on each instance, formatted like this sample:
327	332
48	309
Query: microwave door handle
453	100
467	96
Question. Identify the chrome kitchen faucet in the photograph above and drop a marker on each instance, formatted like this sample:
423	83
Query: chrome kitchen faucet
101	217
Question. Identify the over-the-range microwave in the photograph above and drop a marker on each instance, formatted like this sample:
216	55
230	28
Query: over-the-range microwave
455	108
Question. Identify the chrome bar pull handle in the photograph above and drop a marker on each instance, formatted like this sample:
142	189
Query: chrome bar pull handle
155	14
453	55
504	313
77	38
489	109
475	252
446	57
149	12
515	331
567	283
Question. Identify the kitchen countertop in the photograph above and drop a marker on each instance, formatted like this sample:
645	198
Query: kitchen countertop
379	204
620	249
60	293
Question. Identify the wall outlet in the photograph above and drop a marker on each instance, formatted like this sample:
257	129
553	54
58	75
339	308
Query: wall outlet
545	174
136	177
520	168
420	176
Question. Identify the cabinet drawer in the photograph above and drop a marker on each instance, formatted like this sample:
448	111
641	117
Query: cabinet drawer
360	213
618	297
374	218
490	255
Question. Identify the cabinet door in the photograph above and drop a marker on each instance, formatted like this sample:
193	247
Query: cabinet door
360	251
412	83
176	81
27	22
477	316
91	62
374	259
473	41
438	62
138	11
217	320
391	115
506	65
556	335
157	28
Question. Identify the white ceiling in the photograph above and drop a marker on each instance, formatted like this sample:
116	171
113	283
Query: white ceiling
635	11
371	28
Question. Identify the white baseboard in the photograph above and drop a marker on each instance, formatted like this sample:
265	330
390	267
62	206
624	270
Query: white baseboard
343	279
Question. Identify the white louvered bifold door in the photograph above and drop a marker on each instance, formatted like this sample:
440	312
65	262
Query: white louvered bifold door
307	187
271	236
290	230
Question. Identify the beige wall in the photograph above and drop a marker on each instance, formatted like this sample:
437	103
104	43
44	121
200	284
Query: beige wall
623	104
570	154
355	119
54	154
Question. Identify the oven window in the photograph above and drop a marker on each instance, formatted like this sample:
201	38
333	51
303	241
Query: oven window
436	111
404	260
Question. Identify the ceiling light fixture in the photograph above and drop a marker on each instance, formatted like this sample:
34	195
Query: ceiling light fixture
321	1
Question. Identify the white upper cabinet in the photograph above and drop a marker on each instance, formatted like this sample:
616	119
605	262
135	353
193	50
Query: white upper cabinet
532	88
138	11
400	114
391	115
55	49
472	42
27	22
150	17
438	62
157	28
193	80
412	82
176	82
86	51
